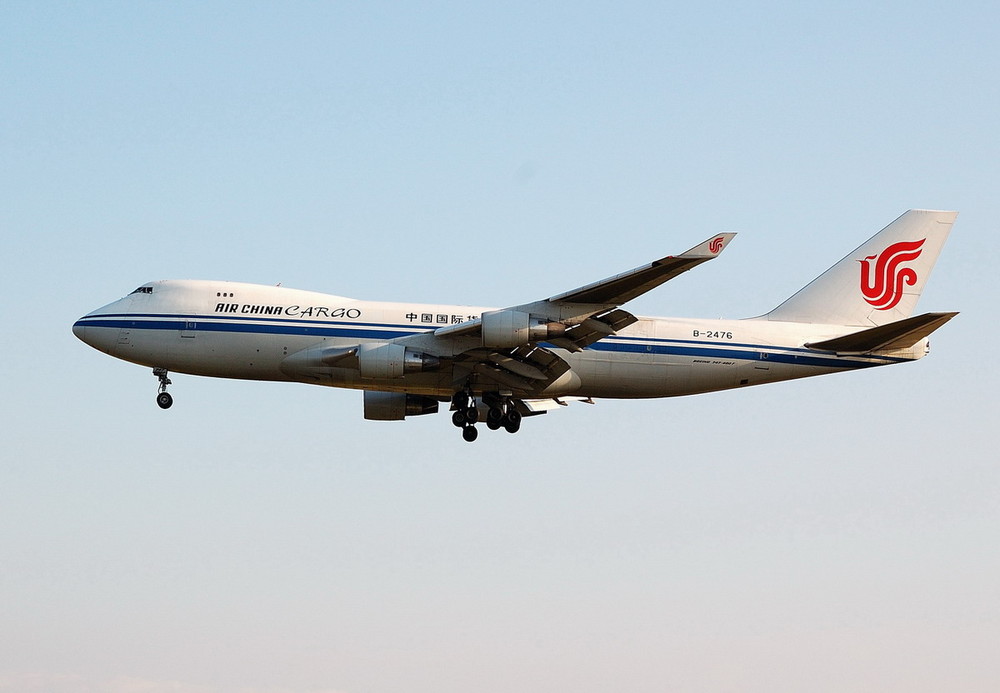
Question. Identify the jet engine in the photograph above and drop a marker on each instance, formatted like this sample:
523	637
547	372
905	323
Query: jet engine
393	361
505	329
396	406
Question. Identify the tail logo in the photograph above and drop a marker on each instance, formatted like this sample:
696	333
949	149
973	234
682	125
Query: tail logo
715	246
882	281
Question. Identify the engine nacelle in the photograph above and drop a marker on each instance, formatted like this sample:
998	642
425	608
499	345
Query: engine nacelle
504	329
396	406
392	361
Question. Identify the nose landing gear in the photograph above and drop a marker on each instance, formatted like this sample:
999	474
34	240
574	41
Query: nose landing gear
163	399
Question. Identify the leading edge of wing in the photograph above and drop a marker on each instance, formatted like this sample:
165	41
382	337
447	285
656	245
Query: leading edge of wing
623	287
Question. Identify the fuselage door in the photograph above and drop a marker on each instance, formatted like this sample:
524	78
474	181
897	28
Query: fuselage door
123	340
755	372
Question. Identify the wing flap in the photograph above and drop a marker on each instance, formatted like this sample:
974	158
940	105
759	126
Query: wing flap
594	329
527	368
901	334
530	407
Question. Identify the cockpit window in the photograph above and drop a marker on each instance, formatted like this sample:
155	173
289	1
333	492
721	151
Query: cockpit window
143	290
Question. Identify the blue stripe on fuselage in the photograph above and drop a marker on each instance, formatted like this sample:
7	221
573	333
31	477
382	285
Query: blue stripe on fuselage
349	330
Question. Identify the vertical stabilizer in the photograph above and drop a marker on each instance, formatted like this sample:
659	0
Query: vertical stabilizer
880	281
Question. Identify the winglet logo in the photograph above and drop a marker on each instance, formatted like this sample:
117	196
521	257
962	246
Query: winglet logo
882	284
715	246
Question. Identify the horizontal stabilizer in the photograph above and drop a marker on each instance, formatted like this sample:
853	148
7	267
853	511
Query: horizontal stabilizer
901	334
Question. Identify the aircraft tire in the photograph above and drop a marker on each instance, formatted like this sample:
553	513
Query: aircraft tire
512	421
470	433
495	415
458	418
164	400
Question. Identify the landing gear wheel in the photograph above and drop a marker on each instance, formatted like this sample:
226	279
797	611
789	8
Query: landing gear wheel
493	425
494	416
163	400
472	414
470	433
512	421
458	418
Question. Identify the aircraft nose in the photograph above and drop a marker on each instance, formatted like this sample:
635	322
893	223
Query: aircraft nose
84	333
92	333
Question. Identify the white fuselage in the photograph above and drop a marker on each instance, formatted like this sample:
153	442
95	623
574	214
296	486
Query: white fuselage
255	332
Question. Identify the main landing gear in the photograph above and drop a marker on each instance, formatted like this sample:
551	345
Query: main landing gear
163	399
465	414
500	413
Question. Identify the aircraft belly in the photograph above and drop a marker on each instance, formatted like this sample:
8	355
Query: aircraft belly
216	354
645	376
431	384
712	376
629	375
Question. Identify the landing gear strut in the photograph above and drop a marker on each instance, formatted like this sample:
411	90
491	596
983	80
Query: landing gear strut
163	399
466	414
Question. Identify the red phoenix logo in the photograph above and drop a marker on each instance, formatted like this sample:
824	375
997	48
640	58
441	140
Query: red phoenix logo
882	285
715	246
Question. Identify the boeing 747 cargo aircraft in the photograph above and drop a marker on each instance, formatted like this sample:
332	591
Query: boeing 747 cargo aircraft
500	365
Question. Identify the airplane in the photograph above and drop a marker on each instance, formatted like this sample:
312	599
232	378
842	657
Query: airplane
501	365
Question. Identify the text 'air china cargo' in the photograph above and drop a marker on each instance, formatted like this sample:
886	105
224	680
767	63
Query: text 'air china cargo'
502	365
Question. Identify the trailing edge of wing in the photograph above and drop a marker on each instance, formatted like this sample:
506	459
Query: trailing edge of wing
594	329
901	334
626	286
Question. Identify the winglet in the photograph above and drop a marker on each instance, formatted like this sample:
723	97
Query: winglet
710	248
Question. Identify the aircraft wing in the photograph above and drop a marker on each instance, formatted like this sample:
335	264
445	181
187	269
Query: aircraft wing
588	312
627	285
508	345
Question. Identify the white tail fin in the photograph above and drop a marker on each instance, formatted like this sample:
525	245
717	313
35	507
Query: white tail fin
879	282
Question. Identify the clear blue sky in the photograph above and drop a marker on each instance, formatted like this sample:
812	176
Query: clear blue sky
835	534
